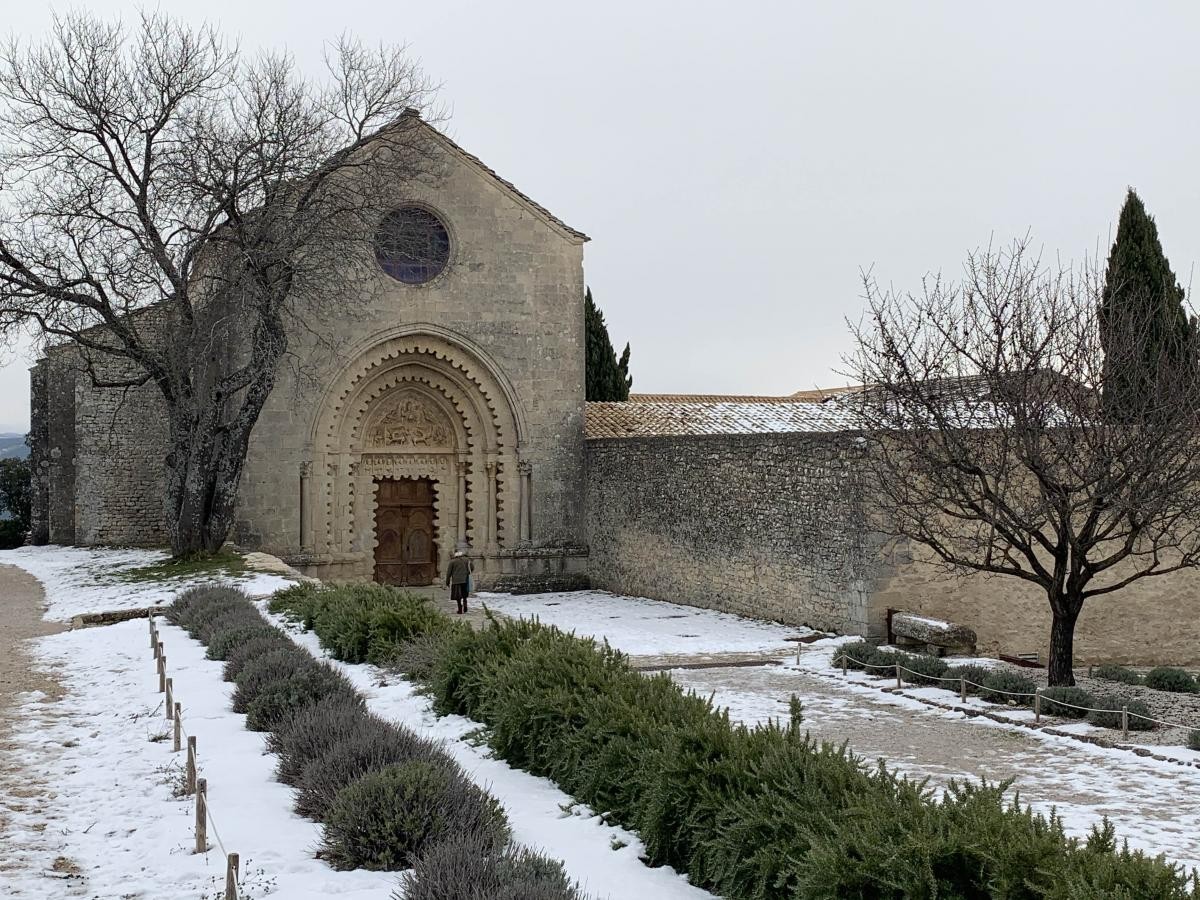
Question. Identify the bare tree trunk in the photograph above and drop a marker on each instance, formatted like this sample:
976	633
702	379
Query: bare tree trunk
1062	640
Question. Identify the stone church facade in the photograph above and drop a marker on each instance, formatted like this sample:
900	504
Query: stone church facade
452	416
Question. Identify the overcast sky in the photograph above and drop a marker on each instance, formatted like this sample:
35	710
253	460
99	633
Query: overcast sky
737	164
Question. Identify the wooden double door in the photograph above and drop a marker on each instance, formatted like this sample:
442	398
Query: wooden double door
405	549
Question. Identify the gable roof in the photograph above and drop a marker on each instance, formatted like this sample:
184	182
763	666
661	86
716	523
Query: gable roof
521	197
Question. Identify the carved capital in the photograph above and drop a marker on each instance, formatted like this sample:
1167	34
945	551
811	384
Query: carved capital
525	467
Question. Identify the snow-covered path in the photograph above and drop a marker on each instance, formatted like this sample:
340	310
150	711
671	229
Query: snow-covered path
111	827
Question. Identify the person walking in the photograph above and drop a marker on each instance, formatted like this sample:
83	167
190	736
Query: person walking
458	578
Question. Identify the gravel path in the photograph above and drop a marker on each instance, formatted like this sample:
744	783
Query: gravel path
1141	797
22	603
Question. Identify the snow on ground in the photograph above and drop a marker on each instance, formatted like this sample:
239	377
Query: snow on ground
85	580
640	627
111	817
603	858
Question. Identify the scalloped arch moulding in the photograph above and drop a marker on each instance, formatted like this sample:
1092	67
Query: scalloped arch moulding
417	402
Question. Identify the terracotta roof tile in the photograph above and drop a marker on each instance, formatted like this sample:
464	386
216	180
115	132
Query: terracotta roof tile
813	396
643	418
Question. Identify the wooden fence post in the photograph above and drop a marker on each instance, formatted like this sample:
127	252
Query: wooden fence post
231	877
177	729
897	676
201	815
1037	706
170	698
190	783
843	665
153	636
962	689
1125	723
162	673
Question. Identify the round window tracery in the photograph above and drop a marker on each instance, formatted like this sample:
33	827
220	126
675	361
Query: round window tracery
412	245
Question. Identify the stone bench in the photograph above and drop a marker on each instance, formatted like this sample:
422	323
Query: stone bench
938	637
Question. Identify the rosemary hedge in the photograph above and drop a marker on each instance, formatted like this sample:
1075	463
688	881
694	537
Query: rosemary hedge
747	813
765	812
360	622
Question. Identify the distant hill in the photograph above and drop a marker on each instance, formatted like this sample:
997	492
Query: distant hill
13	445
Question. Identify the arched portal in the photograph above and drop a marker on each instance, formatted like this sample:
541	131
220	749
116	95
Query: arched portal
417	407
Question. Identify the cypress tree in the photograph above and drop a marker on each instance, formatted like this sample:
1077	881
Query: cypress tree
606	377
1143	325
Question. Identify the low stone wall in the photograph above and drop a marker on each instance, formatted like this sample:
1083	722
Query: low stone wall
768	525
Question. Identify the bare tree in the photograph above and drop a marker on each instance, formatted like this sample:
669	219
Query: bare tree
992	449
176	210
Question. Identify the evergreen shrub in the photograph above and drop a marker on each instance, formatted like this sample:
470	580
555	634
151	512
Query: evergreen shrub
974	674
882	663
279	700
417	658
1193	740
765	812
273	666
254	647
857	653
359	752
197	606
238	613
1168	678
463	867
1000	683
360	622
313	730
224	640
1113	672
1066	695
384	819
1107	713
928	670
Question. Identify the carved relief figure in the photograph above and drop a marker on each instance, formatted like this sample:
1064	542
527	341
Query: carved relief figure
409	420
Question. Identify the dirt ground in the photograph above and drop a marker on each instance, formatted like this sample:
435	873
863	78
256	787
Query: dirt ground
21	607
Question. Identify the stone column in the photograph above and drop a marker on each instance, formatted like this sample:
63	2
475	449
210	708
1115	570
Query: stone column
492	529
462	506
306	536
525	468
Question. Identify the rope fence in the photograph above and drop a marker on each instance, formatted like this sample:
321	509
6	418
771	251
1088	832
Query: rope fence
1036	696
193	784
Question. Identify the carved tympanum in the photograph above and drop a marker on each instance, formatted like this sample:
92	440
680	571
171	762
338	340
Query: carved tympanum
408	420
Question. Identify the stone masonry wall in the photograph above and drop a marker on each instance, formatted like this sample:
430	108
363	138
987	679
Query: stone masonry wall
764	525
119	453
1155	621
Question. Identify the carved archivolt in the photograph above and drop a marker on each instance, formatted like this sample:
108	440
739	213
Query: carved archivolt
417	405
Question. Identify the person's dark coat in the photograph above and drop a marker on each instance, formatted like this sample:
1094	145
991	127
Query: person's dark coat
459	571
